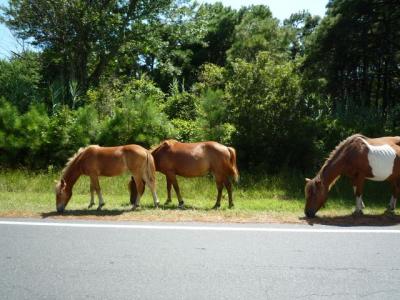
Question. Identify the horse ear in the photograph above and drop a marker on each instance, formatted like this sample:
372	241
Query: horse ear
308	180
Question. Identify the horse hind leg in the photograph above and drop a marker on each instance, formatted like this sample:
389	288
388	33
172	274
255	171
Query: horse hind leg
133	192
358	184
220	186
137	190
228	186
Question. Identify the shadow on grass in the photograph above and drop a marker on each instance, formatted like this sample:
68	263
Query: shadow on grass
385	219
84	212
174	206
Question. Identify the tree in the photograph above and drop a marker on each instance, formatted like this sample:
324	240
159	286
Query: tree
81	37
356	52
300	26
20	79
257	31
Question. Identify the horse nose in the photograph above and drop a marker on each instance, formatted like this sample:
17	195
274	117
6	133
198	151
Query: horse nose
309	213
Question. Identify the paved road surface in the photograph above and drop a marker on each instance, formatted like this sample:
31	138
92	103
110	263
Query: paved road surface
93	260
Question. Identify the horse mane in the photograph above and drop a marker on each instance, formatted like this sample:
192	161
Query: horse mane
155	148
338	149
72	159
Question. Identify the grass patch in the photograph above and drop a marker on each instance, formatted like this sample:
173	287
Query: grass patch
257	199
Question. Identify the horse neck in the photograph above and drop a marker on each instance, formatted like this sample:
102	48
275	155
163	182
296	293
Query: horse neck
331	171
156	155
71	175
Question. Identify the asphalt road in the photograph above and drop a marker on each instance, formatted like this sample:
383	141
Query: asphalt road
197	261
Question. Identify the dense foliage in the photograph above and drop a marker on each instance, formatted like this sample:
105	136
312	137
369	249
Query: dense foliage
116	72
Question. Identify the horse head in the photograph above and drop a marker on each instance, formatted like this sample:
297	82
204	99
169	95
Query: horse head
63	194
316	194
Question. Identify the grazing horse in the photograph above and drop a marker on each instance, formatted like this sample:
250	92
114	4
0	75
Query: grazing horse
95	161
196	159
358	158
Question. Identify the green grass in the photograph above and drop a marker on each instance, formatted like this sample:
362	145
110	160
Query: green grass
256	198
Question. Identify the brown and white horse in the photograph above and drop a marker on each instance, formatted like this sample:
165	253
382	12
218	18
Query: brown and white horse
196	159
358	158
95	161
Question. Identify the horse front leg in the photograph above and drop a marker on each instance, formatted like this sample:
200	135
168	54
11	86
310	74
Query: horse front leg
91	203
177	190
395	195
169	186
96	186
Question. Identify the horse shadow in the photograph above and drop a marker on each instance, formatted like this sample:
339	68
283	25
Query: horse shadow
84	213
169	206
385	219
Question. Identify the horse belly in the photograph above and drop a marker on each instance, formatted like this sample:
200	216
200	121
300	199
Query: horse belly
112	166
193	168
381	160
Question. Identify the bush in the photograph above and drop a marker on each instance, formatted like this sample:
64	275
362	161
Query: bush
19	80
22	136
265	101
138	120
180	105
213	120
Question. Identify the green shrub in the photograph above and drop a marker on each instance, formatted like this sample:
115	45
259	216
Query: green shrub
19	80
138	121
180	105
268	112
22	136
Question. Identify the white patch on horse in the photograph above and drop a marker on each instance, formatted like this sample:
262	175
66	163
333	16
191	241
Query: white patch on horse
381	160
359	204
392	203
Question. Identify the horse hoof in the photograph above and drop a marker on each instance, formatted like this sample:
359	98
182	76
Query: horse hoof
90	205
389	211
167	202
358	213
216	206
181	205
100	206
231	206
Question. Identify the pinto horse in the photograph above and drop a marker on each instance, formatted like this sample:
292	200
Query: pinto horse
358	158
196	159
95	161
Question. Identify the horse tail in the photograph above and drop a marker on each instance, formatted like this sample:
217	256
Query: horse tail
235	170
150	168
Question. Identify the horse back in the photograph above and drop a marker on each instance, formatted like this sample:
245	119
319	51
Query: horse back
191	159
112	161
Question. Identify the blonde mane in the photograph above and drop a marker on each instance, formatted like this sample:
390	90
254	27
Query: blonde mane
72	159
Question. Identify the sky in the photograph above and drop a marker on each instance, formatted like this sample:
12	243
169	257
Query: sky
281	9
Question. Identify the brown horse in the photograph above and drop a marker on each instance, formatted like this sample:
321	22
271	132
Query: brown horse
358	158
196	159
95	161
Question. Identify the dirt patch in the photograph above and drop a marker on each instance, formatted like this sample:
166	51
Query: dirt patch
160	215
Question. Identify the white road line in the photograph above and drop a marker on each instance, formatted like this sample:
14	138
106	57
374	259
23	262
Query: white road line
200	228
